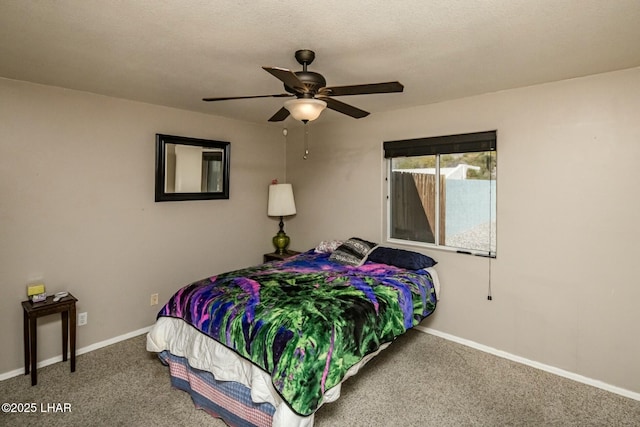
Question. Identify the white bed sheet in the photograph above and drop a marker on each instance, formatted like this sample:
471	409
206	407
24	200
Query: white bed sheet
204	353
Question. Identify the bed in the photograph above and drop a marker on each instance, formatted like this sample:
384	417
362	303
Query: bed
269	344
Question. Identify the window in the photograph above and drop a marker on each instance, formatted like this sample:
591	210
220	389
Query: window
442	191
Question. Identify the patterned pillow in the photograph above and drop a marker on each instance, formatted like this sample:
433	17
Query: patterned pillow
352	252
326	247
400	258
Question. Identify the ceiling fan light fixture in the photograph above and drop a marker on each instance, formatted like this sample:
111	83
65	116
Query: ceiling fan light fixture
305	109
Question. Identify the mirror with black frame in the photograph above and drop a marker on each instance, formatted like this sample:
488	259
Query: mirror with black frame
191	168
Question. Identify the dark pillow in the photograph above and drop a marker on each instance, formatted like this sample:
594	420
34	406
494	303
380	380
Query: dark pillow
352	252
401	258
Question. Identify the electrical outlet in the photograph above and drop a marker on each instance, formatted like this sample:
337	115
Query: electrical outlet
154	299
82	319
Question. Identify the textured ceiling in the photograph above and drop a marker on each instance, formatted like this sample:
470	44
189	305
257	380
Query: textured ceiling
175	52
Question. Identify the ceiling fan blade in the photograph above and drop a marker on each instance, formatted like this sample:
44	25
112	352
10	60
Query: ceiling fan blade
227	98
366	89
343	108
288	77
282	114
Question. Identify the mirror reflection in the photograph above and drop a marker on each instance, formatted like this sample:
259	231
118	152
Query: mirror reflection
191	169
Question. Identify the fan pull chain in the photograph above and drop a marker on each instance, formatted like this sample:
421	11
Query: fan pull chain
306	141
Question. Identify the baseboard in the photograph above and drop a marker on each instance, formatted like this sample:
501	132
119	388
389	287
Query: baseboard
548	368
87	349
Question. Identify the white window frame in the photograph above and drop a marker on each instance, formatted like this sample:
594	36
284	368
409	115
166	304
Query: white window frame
388	160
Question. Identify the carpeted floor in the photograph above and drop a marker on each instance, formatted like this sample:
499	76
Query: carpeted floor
421	380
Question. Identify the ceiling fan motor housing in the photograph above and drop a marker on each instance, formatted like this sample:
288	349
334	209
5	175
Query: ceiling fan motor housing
312	81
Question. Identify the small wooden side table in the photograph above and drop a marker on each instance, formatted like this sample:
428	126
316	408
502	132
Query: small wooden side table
274	256
67	307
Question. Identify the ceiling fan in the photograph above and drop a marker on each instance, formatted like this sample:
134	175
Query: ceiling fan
312	93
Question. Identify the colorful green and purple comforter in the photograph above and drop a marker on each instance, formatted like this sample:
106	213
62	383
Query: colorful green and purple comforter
306	320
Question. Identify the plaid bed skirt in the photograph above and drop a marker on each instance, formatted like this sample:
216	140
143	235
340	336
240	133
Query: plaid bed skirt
228	400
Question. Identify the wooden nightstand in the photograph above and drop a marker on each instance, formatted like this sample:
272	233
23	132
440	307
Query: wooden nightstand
277	257
31	311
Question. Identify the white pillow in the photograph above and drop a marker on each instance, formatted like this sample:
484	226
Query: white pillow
327	246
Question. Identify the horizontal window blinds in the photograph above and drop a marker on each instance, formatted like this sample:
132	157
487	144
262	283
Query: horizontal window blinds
462	143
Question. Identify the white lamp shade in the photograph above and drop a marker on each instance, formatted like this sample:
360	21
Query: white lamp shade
305	109
281	201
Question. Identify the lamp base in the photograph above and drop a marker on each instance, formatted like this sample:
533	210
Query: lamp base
281	241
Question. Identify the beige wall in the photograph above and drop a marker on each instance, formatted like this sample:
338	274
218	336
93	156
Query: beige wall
77	208
565	283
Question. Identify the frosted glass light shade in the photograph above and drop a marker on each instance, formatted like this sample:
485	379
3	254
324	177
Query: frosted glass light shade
281	202
305	109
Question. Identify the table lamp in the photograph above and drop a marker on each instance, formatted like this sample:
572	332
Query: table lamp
281	204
